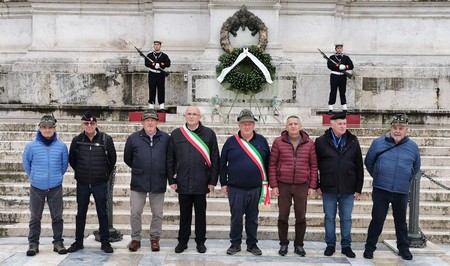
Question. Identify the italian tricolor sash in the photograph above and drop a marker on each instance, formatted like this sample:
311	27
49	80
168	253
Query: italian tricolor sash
255	156
198	143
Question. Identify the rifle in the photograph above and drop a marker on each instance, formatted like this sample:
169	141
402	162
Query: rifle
146	57
348	75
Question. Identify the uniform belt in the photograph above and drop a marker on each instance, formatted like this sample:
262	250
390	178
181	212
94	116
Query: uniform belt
154	71
337	73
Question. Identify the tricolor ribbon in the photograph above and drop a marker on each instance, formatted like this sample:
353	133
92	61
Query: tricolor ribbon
198	143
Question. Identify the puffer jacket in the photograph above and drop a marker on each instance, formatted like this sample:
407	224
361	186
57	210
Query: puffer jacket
187	168
394	170
45	165
147	161
91	160
291	166
339	172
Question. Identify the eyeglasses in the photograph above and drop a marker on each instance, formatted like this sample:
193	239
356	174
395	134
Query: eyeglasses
89	123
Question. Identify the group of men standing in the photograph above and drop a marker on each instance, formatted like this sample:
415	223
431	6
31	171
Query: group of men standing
294	167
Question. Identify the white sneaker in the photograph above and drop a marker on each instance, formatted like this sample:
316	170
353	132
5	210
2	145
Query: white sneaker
161	106
151	106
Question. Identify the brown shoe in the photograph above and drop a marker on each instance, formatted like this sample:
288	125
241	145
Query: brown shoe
134	245
154	243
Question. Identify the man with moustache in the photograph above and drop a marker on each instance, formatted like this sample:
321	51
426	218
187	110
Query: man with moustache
392	160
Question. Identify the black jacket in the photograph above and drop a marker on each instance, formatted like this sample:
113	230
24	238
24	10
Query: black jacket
92	161
339	172
187	168
147	161
340	59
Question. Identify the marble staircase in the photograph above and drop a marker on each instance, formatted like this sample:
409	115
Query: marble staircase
434	144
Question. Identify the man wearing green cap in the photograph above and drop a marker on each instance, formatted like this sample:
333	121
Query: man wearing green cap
392	160
45	160
145	153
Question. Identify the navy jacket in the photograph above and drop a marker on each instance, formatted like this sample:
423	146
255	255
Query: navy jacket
147	160
394	170
236	167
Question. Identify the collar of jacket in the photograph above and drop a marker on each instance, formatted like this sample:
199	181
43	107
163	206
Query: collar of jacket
303	136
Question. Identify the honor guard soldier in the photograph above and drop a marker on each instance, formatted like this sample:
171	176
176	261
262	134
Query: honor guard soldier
156	75
337	78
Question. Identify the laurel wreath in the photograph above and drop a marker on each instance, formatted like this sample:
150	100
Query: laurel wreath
246	77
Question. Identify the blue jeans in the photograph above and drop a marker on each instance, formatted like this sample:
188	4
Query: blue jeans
55	204
100	196
344	203
381	199
243	202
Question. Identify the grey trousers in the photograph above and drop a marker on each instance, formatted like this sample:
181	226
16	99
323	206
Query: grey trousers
54	199
137	202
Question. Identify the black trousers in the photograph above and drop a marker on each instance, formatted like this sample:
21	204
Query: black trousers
337	82
186	202
156	81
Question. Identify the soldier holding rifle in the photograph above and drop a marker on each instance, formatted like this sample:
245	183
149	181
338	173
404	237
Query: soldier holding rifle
338	63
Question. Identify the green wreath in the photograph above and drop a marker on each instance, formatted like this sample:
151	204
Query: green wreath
246	77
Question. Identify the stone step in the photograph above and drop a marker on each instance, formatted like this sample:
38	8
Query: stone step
20	203
171	217
74	128
18	182
222	232
123	178
221	137
22	189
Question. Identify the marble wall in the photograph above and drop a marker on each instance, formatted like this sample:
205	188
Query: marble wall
81	52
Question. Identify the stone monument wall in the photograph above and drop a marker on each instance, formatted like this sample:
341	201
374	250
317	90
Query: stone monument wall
81	52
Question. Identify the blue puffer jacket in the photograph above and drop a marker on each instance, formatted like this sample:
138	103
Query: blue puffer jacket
394	170
45	165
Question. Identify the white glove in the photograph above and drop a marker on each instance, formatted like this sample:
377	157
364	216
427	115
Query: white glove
341	67
157	66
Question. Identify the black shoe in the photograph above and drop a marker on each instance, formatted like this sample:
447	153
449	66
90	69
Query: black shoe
329	251
33	249
180	248
330	112
75	247
283	250
405	254
254	250
299	251
232	250
368	254
106	247
59	247
201	248
347	251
